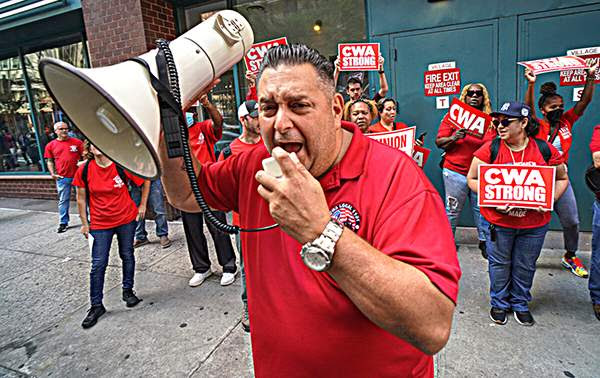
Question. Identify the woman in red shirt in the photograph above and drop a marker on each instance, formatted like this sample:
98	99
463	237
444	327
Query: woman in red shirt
516	234
387	108
362	112
458	149
556	127
112	211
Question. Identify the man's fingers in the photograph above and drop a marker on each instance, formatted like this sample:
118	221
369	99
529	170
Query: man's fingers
288	166
266	180
264	193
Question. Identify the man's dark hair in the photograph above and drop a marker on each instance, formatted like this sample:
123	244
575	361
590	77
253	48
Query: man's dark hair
297	54
353	80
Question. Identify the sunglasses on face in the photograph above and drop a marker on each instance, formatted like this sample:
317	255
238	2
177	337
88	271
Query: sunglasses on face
471	93
505	122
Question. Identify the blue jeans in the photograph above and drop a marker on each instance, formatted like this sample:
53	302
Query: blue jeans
100	253
457	191
155	201
566	209
63	187
594	279
512	258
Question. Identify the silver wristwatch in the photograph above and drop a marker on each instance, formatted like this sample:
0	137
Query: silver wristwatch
318	254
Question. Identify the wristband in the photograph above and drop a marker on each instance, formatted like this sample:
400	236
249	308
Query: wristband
381	72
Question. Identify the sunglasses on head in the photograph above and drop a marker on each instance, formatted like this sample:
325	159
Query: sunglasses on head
472	93
505	122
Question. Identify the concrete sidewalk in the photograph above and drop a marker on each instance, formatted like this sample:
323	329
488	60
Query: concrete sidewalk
183	331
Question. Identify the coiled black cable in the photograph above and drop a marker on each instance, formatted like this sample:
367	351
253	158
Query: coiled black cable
163	45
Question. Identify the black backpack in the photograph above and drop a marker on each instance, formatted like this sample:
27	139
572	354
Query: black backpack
84	177
543	147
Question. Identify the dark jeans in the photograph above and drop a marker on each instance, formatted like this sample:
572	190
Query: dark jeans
512	263
155	202
198	248
100	252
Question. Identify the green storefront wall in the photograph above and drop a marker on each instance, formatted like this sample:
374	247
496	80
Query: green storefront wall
485	39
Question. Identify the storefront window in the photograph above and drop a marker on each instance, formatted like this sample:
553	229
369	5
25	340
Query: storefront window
48	112
18	144
25	131
320	24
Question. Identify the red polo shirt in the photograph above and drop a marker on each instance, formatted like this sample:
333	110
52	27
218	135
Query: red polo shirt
110	202
202	138
302	322
459	155
379	128
518	218
66	154
563	137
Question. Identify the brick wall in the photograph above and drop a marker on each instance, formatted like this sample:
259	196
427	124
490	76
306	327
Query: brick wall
120	29
39	187
159	21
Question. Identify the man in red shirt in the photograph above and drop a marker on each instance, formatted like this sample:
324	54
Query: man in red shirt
62	155
203	136
250	137
351	283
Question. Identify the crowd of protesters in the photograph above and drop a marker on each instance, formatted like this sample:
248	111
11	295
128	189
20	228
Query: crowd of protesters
510	238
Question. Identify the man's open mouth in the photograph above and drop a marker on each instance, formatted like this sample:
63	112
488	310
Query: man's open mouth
290	147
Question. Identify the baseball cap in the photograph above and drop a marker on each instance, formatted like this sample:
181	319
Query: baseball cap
249	107
513	109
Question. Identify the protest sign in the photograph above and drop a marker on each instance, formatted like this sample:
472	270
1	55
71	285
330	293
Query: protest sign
523	186
463	116
560	63
358	56
591	55
402	140
257	52
442	82
420	155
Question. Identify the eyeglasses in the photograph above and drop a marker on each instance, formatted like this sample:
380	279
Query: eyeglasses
505	122
471	93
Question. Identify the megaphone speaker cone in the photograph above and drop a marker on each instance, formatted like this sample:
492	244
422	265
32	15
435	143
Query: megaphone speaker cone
99	111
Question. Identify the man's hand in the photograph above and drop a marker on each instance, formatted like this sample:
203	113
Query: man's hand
296	200
56	176
85	230
530	76
204	100
460	134
251	78
381	61
591	72
141	213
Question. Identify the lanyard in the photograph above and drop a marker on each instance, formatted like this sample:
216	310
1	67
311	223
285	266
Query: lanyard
523	152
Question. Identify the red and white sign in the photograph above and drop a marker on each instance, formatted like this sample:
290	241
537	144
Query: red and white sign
420	155
524	186
442	82
561	63
257	52
402	140
463	116
591	55
358	56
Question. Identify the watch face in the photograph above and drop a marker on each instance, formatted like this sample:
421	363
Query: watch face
315	258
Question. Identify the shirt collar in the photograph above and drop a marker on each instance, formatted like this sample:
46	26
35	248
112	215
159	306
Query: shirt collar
353	162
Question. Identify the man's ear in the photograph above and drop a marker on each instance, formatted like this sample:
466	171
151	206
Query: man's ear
337	106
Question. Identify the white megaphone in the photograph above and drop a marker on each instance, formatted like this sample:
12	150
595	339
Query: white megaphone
116	107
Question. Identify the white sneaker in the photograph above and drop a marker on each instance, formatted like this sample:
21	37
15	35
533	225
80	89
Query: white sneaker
227	278
198	278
